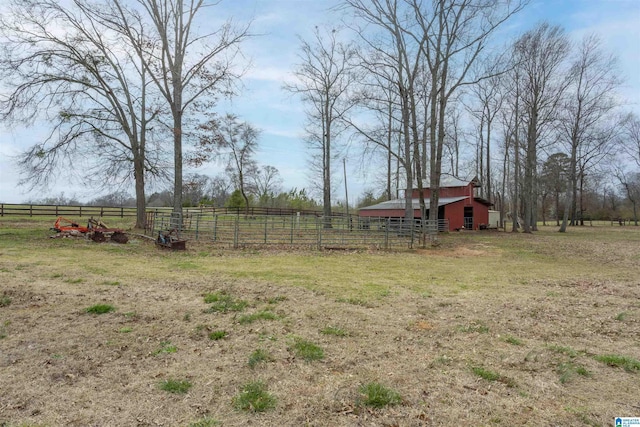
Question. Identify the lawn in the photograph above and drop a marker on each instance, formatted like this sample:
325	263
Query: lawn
486	329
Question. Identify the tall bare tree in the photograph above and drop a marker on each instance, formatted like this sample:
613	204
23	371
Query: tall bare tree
62	65
189	69
540	57
323	78
587	124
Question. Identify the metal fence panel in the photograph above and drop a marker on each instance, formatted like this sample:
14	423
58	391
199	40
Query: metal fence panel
293	230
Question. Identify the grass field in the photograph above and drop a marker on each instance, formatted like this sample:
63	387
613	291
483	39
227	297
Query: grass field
488	329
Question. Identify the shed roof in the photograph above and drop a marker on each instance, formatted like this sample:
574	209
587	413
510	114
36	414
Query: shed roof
399	203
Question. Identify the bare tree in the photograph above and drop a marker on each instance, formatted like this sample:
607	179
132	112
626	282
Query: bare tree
266	183
630	183
323	77
240	140
587	123
63	66
630	138
540	55
189	69
455	33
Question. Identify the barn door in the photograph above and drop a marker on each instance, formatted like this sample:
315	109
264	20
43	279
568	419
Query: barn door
468	217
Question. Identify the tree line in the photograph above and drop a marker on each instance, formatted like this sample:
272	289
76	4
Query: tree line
419	88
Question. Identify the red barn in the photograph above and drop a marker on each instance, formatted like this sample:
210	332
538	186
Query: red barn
458	203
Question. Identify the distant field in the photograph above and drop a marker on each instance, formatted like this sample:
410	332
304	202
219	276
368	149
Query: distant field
487	329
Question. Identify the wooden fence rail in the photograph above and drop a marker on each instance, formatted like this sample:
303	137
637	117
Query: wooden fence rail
7	209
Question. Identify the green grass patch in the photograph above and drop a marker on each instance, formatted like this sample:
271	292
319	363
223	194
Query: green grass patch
512	340
254	397
5	301
569	370
125	330
276	299
217	335
74	281
356	301
621	316
165	347
489	375
176	386
332	330
377	395
110	283
567	351
307	350
222	303
478	327
100	309
205	422
258	356
261	315
628	363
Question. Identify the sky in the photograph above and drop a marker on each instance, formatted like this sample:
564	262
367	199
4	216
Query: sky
278	25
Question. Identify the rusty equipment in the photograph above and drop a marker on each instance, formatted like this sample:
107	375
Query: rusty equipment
171	240
95	230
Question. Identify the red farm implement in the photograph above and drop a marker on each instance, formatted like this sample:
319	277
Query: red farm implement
95	230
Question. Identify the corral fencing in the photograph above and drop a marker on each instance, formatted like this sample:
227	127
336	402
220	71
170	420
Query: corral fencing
293	230
7	209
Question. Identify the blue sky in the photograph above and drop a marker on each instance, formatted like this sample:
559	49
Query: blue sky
280	116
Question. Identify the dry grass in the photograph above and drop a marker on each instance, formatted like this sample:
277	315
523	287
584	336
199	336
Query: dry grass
528	309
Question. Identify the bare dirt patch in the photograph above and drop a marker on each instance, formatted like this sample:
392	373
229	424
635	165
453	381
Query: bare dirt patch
433	343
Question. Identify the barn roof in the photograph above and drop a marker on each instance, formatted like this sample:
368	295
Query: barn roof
447	181
399	203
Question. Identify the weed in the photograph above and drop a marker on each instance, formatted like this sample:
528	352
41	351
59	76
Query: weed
474	327
332	330
111	283
205	422
492	376
568	370
307	350
258	356
628	363
5	301
254	397
74	281
261	315
187	317
165	347
125	330
100	309
277	299
512	340
217	335
356	301
176	386
567	351
223	303
378	396
621	316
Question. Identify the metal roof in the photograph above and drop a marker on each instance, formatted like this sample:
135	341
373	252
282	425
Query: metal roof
399	203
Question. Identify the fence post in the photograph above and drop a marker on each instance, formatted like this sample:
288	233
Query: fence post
235	231
1	209
292	224
215	227
386	234
266	218
30	210
319	220
121	212
197	225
